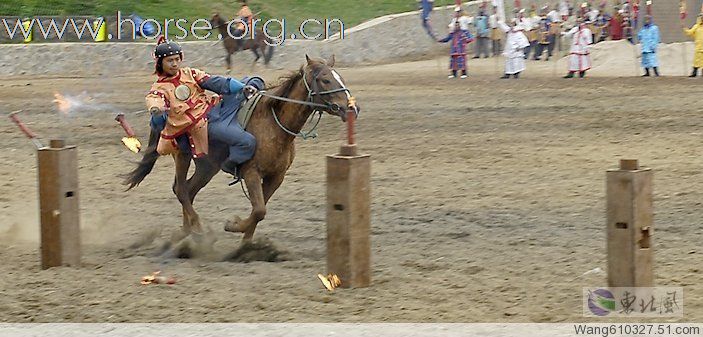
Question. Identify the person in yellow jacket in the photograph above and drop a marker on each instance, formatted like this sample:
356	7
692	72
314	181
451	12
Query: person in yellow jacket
696	32
187	114
245	16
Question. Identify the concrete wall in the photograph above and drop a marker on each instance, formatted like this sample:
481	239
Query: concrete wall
383	40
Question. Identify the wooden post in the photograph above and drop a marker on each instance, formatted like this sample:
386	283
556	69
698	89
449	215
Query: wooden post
58	204
349	215
630	226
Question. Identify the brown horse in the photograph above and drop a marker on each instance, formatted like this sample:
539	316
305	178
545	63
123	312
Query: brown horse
276	121
232	45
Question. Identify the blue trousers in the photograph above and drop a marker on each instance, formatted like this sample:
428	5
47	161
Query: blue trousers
224	127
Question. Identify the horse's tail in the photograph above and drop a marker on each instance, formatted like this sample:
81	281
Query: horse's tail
268	55
134	178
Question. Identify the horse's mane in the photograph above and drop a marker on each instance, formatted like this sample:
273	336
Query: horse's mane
284	87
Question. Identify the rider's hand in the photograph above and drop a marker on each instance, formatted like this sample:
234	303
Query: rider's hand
249	91
154	111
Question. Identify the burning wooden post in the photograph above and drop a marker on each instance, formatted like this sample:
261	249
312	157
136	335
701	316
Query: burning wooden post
349	213
629	231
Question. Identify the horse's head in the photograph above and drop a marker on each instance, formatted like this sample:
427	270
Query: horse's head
217	21
326	86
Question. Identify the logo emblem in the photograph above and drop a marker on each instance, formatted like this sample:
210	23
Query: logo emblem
601	302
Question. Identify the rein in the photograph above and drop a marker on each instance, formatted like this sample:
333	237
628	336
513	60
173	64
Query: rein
327	106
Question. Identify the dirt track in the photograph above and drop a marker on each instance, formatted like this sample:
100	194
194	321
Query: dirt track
488	203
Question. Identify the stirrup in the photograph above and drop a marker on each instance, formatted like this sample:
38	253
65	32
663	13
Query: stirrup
236	181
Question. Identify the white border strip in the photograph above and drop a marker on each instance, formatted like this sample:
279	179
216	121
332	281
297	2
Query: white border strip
345	330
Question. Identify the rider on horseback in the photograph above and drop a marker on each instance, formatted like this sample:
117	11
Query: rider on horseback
246	16
181	109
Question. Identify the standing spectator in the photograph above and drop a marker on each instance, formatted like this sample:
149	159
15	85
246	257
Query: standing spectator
496	32
580	59
649	38
515	44
459	39
696	32
545	41
616	23
482	34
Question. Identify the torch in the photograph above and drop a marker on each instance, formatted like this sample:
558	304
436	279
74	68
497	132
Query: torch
131	141
25	129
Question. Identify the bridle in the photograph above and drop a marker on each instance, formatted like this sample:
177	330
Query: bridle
318	108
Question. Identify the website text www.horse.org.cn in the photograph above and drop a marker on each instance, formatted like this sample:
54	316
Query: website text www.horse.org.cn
276	30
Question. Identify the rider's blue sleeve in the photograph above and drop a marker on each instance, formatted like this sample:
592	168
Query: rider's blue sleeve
235	86
222	85
216	84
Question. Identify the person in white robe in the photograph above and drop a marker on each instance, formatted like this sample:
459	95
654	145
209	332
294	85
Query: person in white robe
580	53
514	52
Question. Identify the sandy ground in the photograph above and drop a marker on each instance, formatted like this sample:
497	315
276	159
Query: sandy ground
488	203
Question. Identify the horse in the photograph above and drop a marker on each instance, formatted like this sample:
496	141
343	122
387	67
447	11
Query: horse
232	45
276	121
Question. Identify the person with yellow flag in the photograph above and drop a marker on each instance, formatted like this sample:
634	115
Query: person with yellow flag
696	33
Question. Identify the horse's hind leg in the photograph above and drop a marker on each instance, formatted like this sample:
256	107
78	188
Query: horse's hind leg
191	220
258	211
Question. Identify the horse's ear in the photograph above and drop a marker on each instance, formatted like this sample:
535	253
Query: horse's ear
331	61
307	59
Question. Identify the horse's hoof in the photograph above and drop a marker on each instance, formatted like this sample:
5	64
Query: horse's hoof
234	226
178	236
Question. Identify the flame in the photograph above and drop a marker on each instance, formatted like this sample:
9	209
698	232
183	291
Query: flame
67	104
154	278
330	282
63	104
132	144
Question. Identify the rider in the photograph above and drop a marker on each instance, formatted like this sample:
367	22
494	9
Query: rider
245	15
181	109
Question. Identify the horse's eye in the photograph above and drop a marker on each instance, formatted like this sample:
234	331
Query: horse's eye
326	81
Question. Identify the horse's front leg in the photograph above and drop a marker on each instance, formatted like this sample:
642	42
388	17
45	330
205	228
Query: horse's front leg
271	184
252	178
256	55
